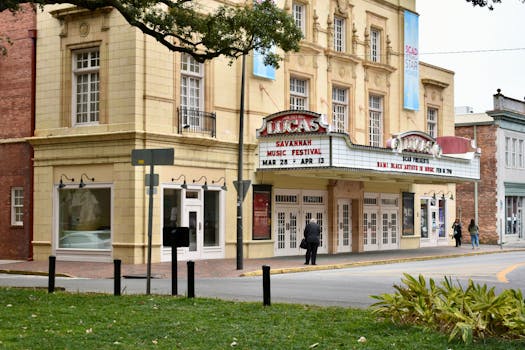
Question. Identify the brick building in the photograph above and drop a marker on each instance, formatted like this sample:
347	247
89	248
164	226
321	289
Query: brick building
17	79
496	201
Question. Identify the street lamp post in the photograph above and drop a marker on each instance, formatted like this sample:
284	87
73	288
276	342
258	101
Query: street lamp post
240	187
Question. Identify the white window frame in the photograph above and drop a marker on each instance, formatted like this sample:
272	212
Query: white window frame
520	154
17	206
298	94
339	34
192	90
375	123
432	121
86	86
340	109
375	45
299	15
507	152
514	146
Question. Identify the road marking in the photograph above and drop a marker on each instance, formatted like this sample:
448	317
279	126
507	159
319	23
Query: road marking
502	275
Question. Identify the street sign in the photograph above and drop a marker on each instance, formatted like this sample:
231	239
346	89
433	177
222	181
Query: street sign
155	179
162	156
245	187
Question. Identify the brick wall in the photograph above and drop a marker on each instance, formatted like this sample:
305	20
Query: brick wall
15	124
487	199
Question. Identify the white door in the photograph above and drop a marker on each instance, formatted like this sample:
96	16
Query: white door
317	212
370	228
193	220
344	225
389	232
287	231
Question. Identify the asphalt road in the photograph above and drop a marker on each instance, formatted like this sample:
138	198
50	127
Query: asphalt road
349	287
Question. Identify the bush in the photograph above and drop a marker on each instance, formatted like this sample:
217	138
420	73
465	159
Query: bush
475	312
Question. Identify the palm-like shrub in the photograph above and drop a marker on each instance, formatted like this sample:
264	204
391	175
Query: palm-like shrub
474	312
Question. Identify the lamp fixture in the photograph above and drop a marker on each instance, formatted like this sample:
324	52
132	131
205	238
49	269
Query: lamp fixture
205	186
223	187
82	183
62	184
184	184
441	195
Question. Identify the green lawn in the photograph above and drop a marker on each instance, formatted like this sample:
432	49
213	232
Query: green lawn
34	319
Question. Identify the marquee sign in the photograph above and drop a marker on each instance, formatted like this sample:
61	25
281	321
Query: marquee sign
293	122
301	140
415	141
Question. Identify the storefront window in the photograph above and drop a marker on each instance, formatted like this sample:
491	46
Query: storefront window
172	207
211	218
85	218
513	210
424	218
442	229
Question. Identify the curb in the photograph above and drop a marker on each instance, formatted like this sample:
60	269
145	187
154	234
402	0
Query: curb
34	273
369	263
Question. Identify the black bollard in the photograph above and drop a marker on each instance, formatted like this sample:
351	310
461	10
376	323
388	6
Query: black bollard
116	276
191	279
174	286
51	281
266	285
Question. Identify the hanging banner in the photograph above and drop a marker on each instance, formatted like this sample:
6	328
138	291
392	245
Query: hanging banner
411	62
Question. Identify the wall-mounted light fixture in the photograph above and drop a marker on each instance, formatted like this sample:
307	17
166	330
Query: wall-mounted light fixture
62	184
82	183
184	185
441	195
223	187
205	186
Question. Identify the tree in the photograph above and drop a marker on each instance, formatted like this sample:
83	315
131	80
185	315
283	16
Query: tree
488	4
185	26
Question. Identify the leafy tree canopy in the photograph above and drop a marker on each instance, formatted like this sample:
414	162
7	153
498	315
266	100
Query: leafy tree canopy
188	26
489	4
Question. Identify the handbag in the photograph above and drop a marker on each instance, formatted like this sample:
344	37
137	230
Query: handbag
303	243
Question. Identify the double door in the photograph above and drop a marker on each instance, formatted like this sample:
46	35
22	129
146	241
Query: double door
289	228
380	228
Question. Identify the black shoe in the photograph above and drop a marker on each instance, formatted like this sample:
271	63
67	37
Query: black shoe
314	264
307	263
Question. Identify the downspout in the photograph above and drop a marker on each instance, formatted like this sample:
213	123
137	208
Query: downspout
476	183
32	34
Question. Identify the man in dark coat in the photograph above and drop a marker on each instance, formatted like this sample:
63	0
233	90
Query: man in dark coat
312	233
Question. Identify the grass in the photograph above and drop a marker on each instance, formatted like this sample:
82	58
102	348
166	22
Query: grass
35	319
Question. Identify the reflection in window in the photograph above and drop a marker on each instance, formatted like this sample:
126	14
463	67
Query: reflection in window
211	218
85	218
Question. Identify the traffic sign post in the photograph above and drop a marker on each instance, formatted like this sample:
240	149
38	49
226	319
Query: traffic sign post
151	157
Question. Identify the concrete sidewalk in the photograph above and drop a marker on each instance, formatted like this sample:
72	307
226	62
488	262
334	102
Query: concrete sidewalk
219	268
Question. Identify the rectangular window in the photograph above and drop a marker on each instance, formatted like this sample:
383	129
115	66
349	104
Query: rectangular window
507	151
191	91
17	206
375	45
514	146
339	109
299	15
375	126
86	86
84	218
298	94
432	117
339	34
520	154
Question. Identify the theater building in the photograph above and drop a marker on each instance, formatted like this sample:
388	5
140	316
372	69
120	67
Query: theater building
353	130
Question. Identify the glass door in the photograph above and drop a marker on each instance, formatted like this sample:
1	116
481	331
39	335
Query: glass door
344	225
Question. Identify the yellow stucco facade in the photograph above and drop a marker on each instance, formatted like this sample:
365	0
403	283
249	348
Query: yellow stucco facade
139	104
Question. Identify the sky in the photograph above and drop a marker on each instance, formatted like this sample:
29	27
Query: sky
485	49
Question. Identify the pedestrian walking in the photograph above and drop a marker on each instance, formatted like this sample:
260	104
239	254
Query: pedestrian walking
473	229
312	234
456	227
